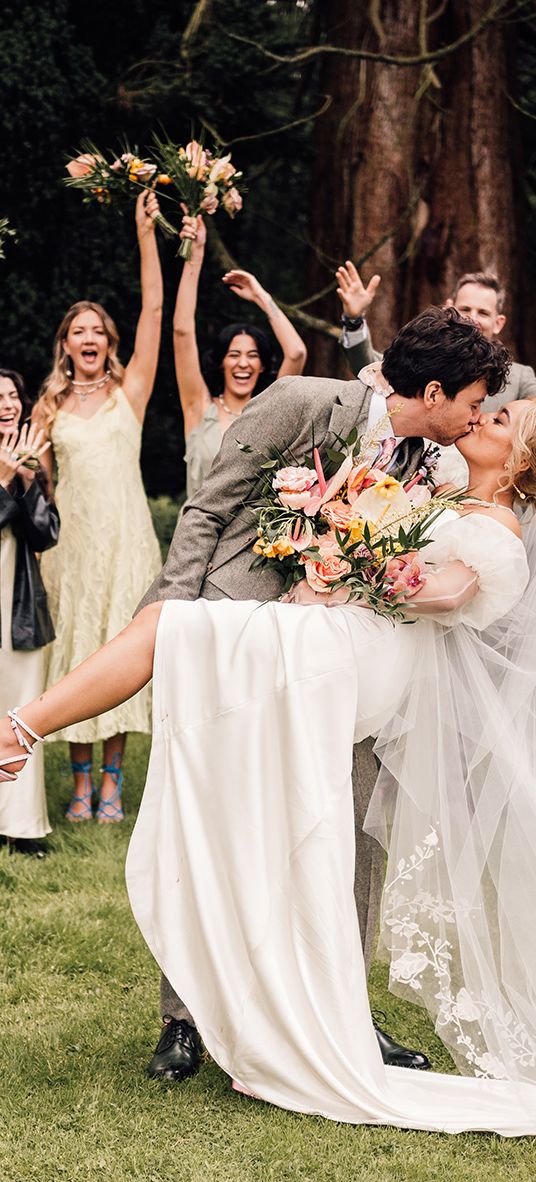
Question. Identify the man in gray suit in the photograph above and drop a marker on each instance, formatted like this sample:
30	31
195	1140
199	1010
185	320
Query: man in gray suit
477	294
441	368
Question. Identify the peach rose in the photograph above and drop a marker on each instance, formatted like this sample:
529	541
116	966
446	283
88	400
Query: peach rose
82	165
338	514
232	202
329	567
293	486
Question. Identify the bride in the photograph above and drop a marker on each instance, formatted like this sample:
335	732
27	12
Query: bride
240	869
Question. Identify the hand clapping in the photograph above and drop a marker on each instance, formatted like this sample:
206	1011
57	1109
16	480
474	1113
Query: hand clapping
20	452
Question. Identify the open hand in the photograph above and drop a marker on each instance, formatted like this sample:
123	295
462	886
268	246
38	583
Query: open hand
244	285
354	296
17	450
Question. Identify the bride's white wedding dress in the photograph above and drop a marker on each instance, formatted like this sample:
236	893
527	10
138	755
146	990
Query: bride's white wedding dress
241	867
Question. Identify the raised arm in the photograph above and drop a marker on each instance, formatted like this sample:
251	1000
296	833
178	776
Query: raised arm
248	287
141	370
356	300
193	391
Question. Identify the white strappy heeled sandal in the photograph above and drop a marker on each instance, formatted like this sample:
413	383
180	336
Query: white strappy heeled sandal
18	727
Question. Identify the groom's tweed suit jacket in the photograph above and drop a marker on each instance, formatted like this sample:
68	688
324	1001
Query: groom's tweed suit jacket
210	554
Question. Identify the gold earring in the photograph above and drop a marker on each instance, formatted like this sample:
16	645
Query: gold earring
521	495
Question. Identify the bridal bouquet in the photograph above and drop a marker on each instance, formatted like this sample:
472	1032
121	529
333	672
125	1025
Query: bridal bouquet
203	180
115	181
345	526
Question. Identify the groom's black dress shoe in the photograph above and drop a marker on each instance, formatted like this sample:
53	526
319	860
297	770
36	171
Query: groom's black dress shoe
395	1055
178	1053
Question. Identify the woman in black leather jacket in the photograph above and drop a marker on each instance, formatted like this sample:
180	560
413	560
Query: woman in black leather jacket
29	523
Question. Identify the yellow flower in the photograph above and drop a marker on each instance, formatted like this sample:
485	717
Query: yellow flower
356	527
282	547
269	551
164	179
388	487
258	548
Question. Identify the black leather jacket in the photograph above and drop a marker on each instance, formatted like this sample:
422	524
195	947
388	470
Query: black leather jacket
35	523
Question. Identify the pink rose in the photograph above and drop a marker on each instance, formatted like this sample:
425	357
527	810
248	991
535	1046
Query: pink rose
232	202
329	567
405	575
338	514
293	486
82	165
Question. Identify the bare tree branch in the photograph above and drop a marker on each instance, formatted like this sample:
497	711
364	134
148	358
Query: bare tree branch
389	59
261	135
199	14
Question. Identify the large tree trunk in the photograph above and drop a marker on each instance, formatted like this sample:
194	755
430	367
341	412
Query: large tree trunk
418	170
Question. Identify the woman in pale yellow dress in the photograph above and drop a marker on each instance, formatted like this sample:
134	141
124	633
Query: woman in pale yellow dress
93	410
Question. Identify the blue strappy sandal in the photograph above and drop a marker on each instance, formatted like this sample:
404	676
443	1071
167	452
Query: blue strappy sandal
86	812
112	810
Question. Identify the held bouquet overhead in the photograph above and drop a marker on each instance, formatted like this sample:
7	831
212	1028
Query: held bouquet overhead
116	181
203	180
346	527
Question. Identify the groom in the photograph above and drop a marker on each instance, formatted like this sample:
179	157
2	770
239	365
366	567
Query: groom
440	368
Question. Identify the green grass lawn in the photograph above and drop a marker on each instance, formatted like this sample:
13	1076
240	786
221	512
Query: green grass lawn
79	1020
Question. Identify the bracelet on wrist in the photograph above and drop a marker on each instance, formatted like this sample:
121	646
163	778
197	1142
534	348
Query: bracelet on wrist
352	323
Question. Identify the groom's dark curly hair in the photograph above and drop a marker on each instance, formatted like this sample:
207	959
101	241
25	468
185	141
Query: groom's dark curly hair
441	345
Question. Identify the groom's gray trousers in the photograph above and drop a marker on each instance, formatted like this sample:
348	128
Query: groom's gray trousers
210	557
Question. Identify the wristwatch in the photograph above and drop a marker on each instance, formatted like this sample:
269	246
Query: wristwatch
352	323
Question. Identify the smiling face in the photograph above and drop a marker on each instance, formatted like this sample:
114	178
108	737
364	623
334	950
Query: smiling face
480	304
10	406
489	443
87	345
241	366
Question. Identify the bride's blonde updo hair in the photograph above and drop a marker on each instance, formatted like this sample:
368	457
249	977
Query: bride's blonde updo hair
520	468
57	386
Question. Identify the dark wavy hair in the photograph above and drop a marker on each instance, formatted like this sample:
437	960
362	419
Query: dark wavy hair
18	381
441	345
212	359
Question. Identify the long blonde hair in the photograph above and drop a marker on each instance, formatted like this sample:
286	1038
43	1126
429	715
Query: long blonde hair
520	468
57	386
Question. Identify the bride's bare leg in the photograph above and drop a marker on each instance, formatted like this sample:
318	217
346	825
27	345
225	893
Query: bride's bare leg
103	681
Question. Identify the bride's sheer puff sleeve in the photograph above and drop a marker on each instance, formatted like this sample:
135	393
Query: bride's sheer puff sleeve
478	572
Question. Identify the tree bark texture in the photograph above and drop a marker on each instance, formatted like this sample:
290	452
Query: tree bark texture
418	170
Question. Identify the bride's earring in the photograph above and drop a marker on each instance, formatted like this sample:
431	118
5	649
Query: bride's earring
69	367
520	494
